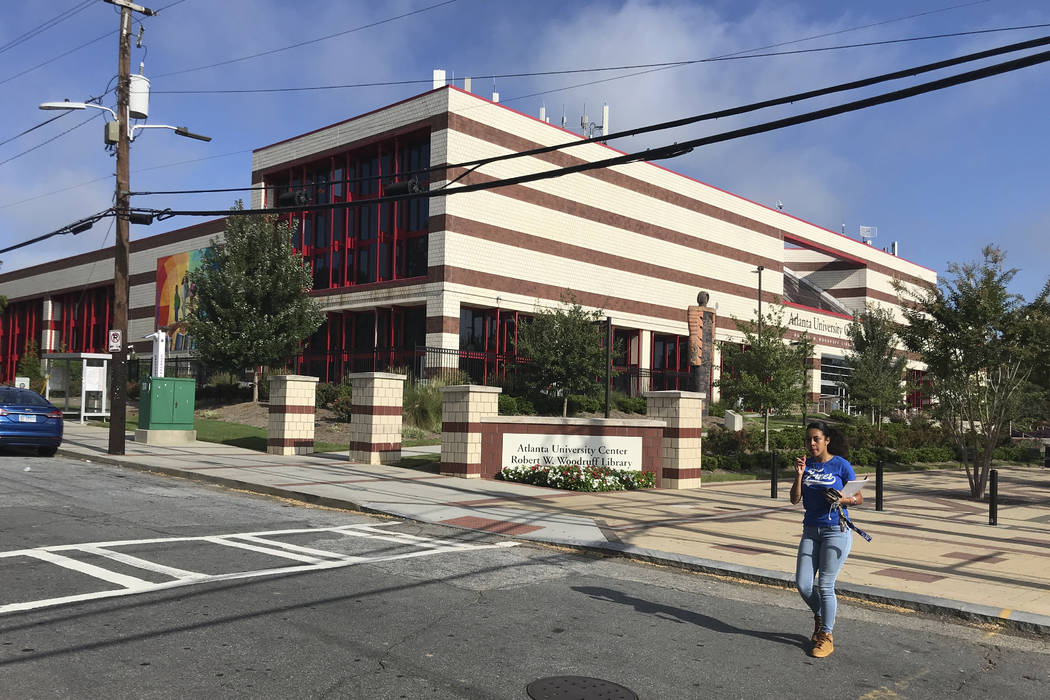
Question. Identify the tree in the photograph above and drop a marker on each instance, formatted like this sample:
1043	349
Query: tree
973	334
764	373
876	367
564	347
250	305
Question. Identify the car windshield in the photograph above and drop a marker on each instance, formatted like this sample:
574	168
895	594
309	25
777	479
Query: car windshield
21	397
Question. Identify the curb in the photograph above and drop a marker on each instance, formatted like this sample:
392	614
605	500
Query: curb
1015	620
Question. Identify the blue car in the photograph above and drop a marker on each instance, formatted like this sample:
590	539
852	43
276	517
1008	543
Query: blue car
27	419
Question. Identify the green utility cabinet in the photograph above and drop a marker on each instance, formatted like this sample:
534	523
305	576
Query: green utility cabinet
166	403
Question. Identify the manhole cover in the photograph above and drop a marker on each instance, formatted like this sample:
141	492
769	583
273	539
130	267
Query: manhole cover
577	688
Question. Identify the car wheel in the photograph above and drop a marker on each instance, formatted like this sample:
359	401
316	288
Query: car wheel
47	451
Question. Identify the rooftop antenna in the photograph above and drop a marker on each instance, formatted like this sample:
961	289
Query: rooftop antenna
563	115
867	233
495	95
780	205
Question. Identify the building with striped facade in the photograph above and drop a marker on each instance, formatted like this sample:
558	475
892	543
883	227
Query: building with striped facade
448	279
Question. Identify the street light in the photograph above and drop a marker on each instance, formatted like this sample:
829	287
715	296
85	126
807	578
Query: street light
111	131
120	132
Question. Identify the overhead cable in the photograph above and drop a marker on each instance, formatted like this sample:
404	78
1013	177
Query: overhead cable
74	228
56	136
572	71
719	114
659	153
44	26
309	41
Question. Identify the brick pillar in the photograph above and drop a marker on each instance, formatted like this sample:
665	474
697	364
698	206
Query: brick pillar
375	430
681	410
291	425
462	408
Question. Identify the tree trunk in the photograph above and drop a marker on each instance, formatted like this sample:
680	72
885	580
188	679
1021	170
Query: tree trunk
255	385
564	405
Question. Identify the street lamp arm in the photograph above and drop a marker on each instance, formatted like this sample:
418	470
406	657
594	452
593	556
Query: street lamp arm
76	105
180	130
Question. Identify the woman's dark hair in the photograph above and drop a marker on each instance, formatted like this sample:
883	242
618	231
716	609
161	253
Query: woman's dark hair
837	442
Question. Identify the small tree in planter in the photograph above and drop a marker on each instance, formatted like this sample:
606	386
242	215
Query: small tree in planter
564	346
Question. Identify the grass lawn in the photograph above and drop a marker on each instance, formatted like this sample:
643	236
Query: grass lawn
250	437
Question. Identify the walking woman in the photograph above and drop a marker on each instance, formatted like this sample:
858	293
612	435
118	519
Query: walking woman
825	545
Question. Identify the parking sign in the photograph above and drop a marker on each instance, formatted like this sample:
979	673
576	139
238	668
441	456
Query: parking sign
115	338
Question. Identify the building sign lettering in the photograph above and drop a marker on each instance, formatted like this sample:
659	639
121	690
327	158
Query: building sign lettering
617	452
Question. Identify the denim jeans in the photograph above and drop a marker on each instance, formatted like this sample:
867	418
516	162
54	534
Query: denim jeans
822	550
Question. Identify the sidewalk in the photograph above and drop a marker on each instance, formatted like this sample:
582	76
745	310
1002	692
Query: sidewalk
932	549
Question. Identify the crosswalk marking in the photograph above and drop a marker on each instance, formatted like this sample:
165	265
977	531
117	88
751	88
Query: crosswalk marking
89	569
310	559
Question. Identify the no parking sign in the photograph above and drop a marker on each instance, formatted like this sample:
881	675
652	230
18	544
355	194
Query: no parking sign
115	343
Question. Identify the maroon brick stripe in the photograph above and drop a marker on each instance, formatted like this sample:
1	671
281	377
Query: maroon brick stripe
683	433
614	177
460	467
451	427
372	410
358	446
290	442
669	473
562	249
289	408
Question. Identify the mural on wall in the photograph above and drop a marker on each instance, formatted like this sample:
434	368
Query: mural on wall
174	295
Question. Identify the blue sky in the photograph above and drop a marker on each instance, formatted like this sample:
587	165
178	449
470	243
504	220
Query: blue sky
943	174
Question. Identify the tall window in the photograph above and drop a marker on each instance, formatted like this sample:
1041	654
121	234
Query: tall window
364	341
365	243
670	369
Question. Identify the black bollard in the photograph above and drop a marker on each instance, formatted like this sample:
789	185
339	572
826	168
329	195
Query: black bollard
878	485
993	498
772	474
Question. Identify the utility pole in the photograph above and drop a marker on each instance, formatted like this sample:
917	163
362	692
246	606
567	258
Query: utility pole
122	251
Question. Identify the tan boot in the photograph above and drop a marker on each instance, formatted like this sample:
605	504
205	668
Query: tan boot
817	622
823	645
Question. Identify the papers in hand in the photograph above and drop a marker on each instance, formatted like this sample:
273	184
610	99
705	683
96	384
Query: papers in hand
853	486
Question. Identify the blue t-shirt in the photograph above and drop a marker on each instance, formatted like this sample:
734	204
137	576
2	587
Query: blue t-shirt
817	477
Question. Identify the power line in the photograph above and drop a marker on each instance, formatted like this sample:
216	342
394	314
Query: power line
863	26
30	150
44	26
571	71
110	177
61	55
719	114
34	128
74	228
670	151
659	153
309	41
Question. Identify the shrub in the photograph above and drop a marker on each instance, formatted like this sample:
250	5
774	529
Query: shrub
342	407
630	404
576	478
711	462
581	403
863	456
787	438
717	409
328	392
515	406
421	405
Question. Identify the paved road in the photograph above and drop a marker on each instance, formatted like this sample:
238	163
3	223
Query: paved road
186	590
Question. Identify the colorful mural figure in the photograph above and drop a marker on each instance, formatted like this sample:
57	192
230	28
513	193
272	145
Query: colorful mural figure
174	296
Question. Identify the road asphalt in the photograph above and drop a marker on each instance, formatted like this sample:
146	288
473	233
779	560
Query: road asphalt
932	549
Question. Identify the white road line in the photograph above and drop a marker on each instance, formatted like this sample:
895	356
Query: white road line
293	547
89	569
166	540
167	585
228	541
142	563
